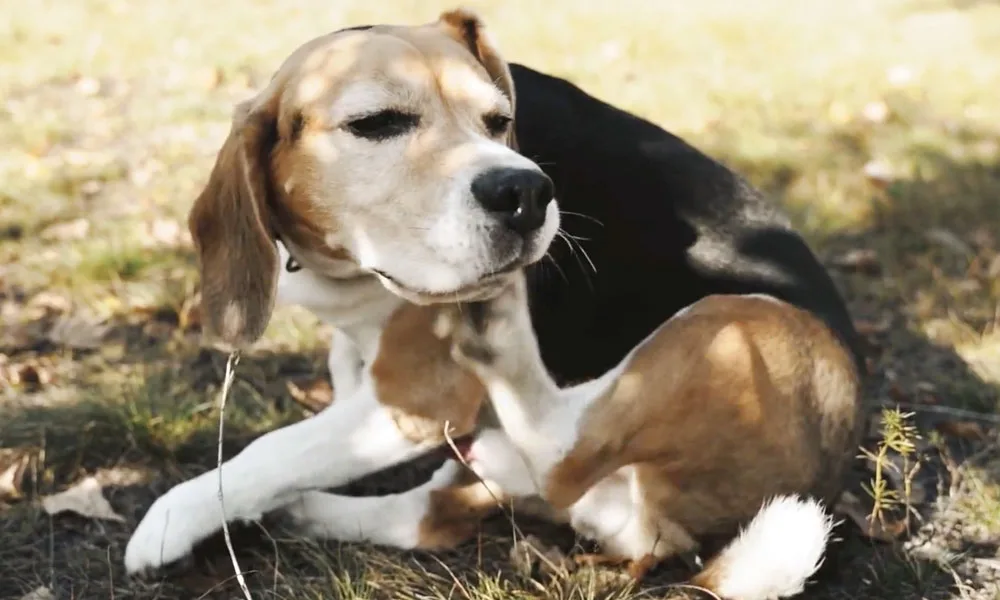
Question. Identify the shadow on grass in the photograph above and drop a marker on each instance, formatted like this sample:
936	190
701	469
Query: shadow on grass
159	416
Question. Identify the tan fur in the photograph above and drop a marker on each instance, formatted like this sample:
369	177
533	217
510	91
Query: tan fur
740	400
455	512
415	375
733	402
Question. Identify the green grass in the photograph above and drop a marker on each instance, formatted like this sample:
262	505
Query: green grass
113	110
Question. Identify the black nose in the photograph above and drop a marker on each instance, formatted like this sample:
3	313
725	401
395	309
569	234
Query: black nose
518	196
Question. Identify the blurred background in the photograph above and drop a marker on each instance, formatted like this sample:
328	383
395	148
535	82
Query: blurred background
874	122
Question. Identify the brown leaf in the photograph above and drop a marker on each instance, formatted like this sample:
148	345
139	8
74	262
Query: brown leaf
50	302
861	260
85	499
163	233
966	430
867	327
30	374
879	174
876	112
88	86
13	465
851	507
39	593
313	394
76	229
994	268
949	240
209	78
78	331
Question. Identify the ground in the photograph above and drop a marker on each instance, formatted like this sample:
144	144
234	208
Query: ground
874	123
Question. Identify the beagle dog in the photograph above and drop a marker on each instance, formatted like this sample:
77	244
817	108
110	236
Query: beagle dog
388	173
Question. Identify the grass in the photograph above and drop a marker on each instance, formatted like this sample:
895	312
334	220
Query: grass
874	123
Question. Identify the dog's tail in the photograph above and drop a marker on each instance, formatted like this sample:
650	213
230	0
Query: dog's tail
774	556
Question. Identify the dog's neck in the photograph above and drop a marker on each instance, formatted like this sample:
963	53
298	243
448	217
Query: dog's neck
353	301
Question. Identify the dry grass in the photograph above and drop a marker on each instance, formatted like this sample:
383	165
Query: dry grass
113	111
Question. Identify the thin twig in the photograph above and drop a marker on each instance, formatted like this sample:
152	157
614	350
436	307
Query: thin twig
503	509
227	383
957	413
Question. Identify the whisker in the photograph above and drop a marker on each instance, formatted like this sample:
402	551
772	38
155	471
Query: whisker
582	216
572	250
577	246
557	267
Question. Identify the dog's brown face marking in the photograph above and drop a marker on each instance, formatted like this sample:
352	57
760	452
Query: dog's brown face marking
360	154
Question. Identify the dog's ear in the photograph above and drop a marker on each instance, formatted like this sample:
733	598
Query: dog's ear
466	26
231	228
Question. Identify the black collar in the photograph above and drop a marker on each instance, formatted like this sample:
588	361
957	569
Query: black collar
291	265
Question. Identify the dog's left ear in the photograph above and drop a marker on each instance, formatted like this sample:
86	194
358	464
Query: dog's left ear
466	27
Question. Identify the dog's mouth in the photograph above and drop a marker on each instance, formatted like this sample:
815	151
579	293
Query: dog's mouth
485	288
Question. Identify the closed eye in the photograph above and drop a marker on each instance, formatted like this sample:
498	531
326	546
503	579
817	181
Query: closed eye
496	123
383	125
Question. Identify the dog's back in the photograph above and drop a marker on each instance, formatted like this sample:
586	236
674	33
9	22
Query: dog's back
659	224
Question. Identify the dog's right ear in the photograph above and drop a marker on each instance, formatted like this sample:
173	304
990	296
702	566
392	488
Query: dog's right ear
230	226
467	27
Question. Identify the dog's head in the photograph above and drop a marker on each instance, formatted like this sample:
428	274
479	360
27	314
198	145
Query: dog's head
384	151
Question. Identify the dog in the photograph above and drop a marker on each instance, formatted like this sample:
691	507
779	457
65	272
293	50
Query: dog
385	170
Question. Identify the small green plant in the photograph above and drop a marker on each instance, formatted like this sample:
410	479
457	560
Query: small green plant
899	436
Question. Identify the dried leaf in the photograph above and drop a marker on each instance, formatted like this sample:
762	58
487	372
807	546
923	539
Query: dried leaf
85	499
88	86
49	301
878	173
28	374
209	78
122	476
949	240
70	230
994	268
869	328
78	331
163	232
875	112
860	259
899	75
13	465
313	394
39	593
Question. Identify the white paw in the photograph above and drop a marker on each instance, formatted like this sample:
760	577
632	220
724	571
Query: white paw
169	531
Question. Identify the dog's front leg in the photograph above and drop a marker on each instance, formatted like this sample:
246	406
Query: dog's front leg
351	438
496	340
